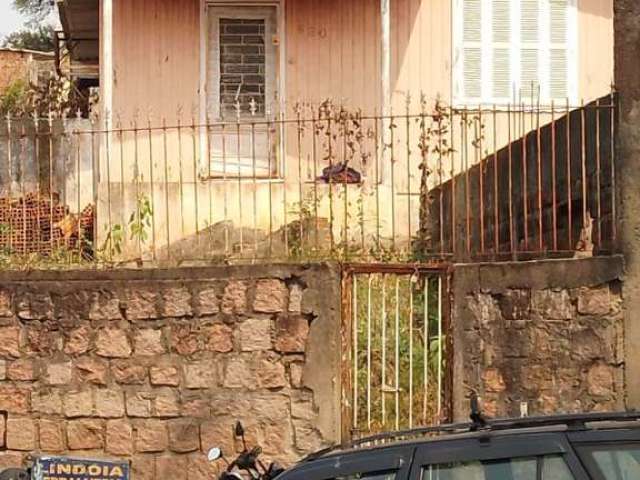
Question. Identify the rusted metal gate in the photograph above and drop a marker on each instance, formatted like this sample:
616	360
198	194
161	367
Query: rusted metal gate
396	348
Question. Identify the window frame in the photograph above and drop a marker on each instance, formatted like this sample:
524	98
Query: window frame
267	13
487	46
502	447
585	441
205	171
586	454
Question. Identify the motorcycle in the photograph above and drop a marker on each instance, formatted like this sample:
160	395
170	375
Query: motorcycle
248	461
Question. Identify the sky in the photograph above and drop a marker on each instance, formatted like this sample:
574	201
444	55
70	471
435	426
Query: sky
10	20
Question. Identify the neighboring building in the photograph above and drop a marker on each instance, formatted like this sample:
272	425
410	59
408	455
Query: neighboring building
79	38
26	65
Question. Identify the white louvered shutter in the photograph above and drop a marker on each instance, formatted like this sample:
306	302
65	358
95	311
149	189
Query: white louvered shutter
501	31
558	49
512	50
472	49
529	49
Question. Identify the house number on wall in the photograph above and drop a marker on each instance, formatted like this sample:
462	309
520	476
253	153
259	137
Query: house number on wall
313	31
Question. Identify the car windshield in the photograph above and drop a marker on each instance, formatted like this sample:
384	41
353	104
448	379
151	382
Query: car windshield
613	462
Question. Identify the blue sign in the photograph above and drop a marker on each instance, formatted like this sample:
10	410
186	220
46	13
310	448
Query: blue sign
64	468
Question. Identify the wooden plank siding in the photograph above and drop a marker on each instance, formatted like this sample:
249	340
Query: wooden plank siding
332	51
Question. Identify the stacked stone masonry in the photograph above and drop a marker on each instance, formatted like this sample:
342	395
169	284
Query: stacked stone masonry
156	371
542	351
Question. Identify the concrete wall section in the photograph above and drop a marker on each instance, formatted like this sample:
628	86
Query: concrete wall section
627	45
540	337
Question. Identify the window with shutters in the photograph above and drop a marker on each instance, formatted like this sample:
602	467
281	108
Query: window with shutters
515	50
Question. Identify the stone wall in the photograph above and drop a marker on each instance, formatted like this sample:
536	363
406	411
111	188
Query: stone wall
156	366
539	337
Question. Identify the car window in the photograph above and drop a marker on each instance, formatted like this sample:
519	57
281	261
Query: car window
551	467
614	462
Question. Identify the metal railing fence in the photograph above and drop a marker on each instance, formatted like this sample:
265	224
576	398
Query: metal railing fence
429	182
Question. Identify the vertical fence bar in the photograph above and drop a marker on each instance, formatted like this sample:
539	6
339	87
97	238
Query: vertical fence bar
440	342
345	189
583	162
410	351
210	132
525	176
110	230
383	389
81	234
425	357
255	189
392	126
281	125
478	147
95	165
183	232
301	206
194	147
271	170
467	182
354	320
377	182
369	352
316	198
453	185
10	233
539	178
512	247
51	222
239	160
120	137
408	148
23	140
569	186
440	179
329	135
225	189
166	186
598	177
152	191
554	195
496	203
137	179
36	167
397	355
361	188
614	216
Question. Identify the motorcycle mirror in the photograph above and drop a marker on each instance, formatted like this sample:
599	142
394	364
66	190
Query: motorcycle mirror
214	454
239	430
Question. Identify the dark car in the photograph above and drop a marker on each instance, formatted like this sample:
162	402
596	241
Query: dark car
570	447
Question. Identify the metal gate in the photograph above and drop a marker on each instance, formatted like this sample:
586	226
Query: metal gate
396	348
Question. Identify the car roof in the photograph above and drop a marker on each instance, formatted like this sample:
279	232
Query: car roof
481	429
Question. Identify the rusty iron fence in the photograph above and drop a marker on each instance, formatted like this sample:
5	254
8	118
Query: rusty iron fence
396	348
430	182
